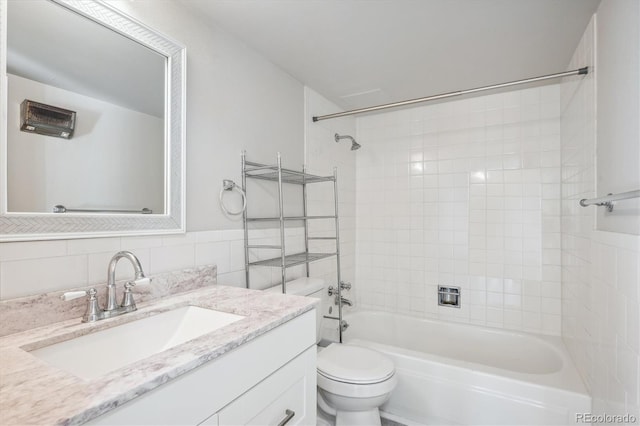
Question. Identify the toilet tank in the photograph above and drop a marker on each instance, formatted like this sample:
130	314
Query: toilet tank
309	287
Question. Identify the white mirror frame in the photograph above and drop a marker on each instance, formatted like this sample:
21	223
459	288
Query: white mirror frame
43	226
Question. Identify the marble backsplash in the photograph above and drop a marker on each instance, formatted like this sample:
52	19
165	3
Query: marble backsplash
29	312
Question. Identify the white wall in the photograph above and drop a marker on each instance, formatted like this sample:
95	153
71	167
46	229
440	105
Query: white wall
322	154
463	193
236	100
600	270
618	106
115	160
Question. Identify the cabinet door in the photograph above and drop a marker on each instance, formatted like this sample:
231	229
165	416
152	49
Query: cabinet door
288	396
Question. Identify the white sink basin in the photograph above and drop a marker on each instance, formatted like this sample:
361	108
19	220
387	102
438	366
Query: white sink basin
95	354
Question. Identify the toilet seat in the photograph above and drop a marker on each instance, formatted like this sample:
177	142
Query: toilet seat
355	365
352	390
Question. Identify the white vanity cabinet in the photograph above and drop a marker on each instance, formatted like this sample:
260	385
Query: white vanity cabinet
266	381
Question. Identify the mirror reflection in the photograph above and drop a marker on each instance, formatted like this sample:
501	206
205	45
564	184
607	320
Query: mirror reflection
114	161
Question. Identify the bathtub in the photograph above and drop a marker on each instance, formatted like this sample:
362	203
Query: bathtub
452	373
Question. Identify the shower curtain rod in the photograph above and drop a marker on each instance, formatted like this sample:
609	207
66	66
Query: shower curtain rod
579	71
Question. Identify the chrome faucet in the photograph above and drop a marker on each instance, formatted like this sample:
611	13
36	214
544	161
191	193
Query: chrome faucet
112	308
338	297
140	278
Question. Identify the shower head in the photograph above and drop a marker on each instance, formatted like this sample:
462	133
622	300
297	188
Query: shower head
354	145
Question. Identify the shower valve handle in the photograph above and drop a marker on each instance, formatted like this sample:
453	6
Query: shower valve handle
345	285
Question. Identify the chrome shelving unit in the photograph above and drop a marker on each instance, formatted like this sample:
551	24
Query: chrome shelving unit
293	260
276	173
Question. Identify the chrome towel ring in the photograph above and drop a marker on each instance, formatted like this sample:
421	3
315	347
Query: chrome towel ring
227	186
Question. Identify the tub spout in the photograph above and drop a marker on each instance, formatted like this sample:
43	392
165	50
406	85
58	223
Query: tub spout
345	301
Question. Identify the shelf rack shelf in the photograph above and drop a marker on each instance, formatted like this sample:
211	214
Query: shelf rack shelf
288	218
292	259
276	173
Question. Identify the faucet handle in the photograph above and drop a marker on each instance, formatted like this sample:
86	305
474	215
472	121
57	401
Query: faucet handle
93	311
127	297
70	295
139	281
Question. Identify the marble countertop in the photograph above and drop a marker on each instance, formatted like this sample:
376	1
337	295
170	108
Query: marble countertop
34	392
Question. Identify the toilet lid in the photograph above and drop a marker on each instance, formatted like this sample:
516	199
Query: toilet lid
354	364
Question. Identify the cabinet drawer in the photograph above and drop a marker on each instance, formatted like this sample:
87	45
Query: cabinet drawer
289	393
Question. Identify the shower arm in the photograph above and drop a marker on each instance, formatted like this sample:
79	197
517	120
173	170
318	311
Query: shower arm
338	137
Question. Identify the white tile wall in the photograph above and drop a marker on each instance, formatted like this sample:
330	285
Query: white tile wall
463	193
28	268
600	283
264	277
322	154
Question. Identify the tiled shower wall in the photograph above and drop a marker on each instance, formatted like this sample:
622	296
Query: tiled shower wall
322	154
463	193
600	270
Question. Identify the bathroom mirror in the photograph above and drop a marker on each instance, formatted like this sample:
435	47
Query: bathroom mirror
122	170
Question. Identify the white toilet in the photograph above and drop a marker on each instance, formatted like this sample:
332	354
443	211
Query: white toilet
352	381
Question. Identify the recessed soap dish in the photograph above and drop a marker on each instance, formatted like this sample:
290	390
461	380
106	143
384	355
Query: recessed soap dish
449	296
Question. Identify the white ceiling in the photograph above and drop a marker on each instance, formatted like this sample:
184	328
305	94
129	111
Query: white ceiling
360	53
